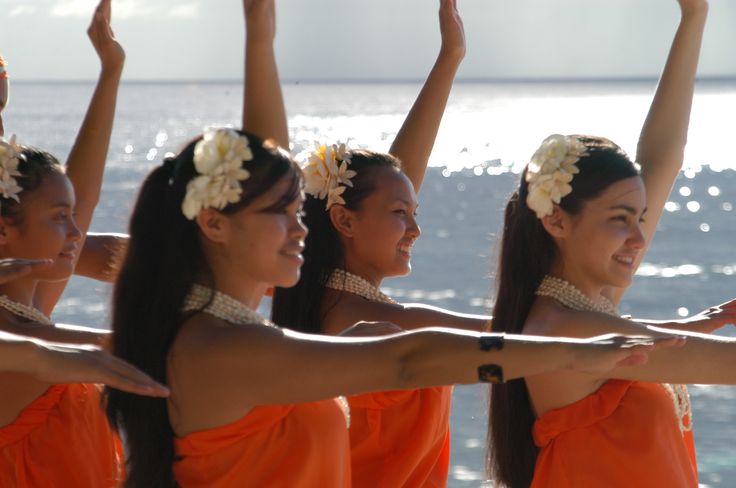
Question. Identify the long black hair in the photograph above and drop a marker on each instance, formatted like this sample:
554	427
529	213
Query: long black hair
301	307
163	260
527	255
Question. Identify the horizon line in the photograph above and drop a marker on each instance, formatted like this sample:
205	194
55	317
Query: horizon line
386	81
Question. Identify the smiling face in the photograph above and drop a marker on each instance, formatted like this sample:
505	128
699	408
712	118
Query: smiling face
46	229
600	244
265	240
383	228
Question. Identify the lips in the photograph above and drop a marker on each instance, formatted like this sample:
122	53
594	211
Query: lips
405	248
69	253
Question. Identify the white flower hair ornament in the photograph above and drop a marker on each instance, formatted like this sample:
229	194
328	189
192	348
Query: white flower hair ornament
326	173
550	172
10	157
218	158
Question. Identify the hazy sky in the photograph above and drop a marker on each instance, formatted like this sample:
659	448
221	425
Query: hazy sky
363	39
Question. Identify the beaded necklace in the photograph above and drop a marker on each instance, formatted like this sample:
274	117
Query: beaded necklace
222	306
20	310
342	280
571	297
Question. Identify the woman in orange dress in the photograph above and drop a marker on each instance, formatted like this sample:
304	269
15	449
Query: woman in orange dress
574	233
360	236
55	435
253	404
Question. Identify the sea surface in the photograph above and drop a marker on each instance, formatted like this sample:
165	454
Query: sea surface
488	132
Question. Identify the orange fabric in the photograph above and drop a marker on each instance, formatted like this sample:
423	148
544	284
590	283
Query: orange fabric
61	440
301	445
401	438
625	434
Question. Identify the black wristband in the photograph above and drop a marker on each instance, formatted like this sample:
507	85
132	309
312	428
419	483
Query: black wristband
491	342
490	373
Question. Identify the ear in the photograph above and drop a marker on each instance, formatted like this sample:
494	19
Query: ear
213	224
342	219
556	223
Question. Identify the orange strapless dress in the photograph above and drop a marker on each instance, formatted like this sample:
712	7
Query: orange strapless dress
624	435
401	438
300	445
61	440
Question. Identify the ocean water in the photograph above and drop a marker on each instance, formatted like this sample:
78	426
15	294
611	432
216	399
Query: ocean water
488	132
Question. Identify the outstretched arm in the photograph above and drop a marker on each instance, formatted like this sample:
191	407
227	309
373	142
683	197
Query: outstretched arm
415	140
87	158
263	104
56	363
312	367
664	135
705	322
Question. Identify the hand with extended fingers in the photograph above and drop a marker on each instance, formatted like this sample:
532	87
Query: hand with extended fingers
611	350
89	364
452	30
109	50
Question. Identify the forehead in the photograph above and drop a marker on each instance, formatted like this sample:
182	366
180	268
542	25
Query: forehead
629	191
55	189
392	184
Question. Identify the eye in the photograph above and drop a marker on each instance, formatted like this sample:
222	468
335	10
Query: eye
400	211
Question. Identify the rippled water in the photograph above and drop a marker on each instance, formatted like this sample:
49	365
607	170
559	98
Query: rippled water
488	132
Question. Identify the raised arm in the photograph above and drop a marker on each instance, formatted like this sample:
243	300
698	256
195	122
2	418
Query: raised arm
415	140
664	134
87	158
4	92
263	104
56	363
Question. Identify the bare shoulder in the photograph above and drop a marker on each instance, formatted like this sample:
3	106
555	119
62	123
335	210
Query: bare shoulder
210	339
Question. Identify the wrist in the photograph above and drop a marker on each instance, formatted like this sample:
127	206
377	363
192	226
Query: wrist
451	57
696	11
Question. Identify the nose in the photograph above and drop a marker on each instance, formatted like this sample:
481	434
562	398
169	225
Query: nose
74	234
413	228
636	240
298	229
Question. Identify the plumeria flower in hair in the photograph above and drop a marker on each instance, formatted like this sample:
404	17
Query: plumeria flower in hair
326	173
550	172
10	155
218	158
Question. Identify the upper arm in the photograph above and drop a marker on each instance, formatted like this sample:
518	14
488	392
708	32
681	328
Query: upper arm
408	317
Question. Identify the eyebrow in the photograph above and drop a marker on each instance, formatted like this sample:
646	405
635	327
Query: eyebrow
408	203
627	209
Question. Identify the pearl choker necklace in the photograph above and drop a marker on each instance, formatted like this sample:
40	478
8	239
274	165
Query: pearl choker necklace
568	295
222	306
24	311
344	281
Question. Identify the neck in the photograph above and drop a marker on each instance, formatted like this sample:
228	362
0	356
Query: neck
21	290
367	272
580	280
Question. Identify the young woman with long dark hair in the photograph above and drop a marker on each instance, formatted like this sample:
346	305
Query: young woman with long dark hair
55	432
573	235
